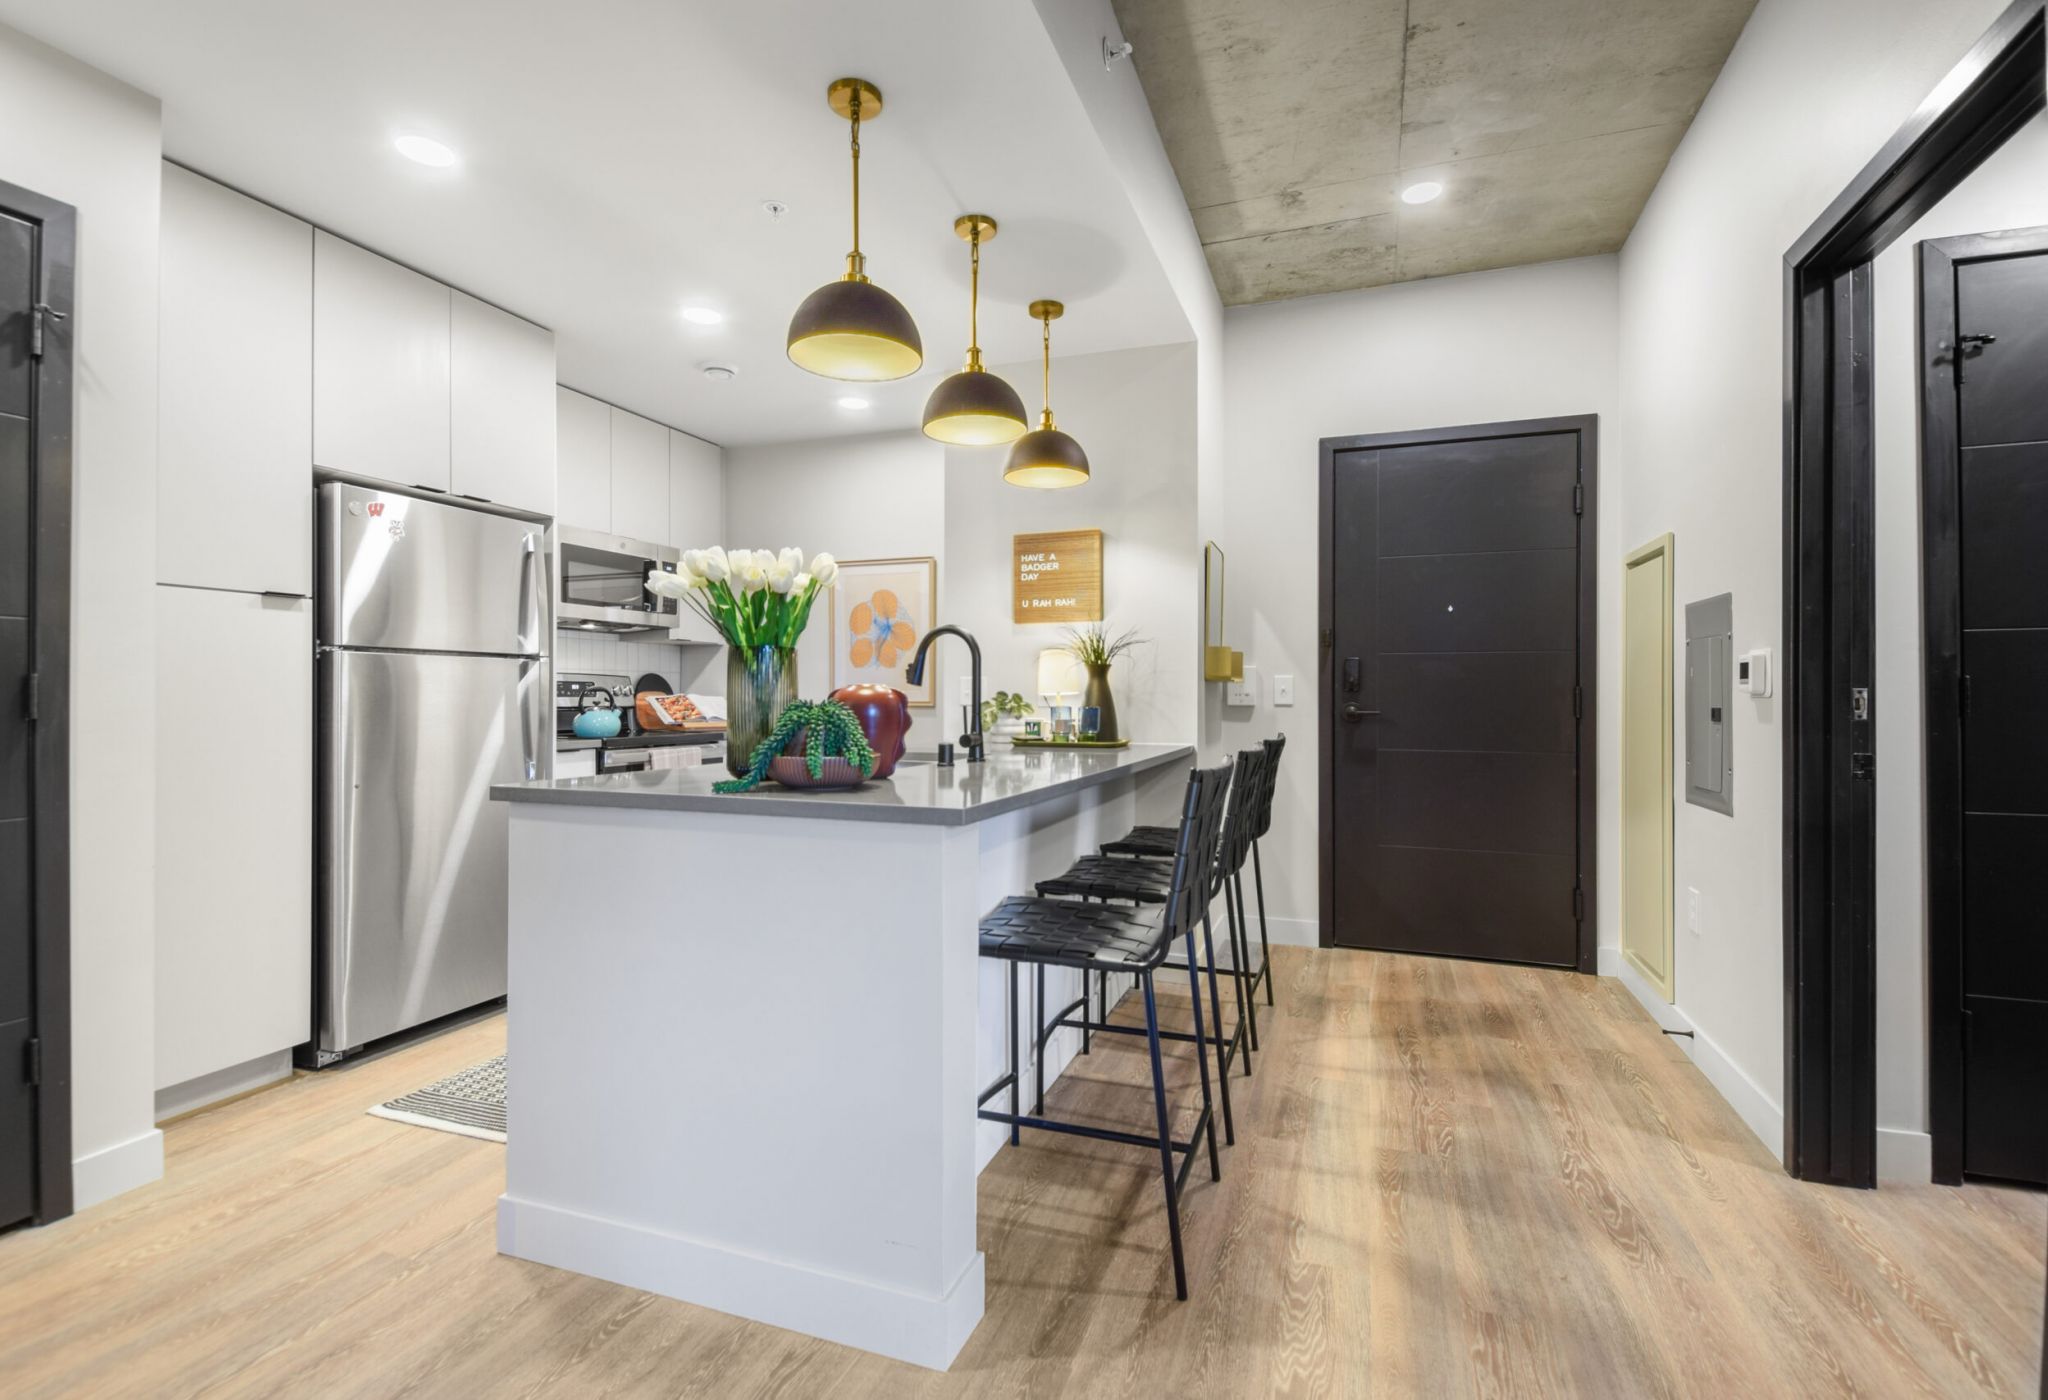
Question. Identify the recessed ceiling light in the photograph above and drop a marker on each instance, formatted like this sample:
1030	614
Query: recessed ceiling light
718	374
1421	193
426	150
850	401
702	316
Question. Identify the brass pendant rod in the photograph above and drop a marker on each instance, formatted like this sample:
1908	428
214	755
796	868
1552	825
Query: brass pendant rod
1048	369
974	298
854	262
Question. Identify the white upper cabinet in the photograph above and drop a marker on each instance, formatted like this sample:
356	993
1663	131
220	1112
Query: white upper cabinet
380	367
235	484
696	513
501	407
639	477
583	461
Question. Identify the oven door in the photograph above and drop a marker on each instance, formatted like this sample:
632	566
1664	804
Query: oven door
604	583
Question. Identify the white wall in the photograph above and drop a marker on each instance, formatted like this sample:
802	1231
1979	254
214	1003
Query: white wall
76	135
2009	191
1810	93
881	496
1133	412
1531	342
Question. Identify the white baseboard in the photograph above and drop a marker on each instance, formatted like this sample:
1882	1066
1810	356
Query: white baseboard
1292	933
1751	1103
105	1174
925	1331
1904	1157
178	1099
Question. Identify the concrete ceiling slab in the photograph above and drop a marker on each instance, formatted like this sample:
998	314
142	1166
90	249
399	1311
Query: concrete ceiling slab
1293	125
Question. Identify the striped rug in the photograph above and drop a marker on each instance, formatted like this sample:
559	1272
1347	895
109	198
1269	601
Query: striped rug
471	1103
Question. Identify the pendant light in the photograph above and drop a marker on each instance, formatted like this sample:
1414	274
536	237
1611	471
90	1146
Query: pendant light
1046	457
852	329
974	408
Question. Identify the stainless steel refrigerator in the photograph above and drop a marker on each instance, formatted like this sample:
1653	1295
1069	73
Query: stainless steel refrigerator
433	685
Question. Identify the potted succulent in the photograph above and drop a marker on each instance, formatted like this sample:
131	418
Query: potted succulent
759	601
1002	714
811	744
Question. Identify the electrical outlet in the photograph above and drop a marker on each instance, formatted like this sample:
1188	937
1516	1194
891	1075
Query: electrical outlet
1695	910
1243	692
1283	690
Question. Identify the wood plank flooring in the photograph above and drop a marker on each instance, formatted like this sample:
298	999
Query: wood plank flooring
1450	1179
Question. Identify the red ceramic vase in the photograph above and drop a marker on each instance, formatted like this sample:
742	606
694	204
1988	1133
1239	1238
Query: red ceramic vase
884	715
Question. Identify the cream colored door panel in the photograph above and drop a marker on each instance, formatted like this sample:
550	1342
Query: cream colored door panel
1646	775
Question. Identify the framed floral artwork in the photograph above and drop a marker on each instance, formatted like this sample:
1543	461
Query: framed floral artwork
880	611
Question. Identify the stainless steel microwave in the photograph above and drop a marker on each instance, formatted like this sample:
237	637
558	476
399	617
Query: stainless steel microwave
604	583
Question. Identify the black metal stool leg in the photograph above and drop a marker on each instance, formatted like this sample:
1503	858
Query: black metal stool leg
1015	1131
1216	1016
1241	954
1265	948
1038	1040
1086	1019
1180	1271
1202	1059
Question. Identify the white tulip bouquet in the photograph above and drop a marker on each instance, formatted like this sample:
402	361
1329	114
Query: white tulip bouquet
754	597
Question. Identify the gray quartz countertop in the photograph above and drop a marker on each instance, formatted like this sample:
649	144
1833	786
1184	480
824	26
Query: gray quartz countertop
918	793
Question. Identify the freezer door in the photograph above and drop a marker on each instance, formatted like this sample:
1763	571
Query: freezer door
400	572
412	848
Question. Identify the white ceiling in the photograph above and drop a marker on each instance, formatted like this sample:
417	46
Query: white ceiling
615	158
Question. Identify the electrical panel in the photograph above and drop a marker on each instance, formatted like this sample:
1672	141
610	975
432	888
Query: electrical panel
1709	703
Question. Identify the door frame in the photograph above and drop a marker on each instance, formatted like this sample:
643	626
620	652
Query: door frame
50	657
1587	428
1941	618
1658	550
1830	837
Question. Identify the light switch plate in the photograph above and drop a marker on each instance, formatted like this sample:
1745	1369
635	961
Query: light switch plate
966	689
1283	690
1243	691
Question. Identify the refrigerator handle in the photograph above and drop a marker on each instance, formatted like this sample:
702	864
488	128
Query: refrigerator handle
533	674
532	604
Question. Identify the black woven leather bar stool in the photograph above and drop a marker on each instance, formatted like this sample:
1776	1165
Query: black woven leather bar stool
1105	938
1262	822
1122	872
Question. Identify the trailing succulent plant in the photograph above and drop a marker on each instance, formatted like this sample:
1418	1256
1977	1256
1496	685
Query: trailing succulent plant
830	730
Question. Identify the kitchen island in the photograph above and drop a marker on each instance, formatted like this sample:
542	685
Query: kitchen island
747	1032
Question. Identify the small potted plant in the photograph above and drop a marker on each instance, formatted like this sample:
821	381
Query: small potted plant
1096	649
813	744
1002	714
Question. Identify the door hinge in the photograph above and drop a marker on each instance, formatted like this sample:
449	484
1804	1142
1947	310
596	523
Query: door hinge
32	695
1963	693
1863	766
1859	702
1328	637
1578	702
1578	498
1578	903
39	319
32	1060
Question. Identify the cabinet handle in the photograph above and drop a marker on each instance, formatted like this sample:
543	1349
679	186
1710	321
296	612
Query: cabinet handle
281	593
485	500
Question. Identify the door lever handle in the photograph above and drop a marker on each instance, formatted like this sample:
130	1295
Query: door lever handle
1352	714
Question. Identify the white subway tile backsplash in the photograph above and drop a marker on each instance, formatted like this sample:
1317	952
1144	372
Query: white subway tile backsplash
701	669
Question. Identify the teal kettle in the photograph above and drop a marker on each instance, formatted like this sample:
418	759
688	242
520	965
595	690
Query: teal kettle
599	718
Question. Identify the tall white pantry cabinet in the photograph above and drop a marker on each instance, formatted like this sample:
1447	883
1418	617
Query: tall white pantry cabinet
283	349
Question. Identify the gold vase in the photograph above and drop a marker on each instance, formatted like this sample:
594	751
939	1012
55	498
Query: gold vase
760	682
1097	695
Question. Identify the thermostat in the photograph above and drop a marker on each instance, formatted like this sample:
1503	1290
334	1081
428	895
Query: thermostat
1753	672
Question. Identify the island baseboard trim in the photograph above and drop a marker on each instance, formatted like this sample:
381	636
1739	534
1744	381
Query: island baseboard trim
924	1331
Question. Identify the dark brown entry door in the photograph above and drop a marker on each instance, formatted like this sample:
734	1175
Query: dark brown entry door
17	921
1459	622
2002	411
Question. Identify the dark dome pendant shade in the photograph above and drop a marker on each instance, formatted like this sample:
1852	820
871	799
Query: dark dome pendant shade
1046	458
851	329
974	408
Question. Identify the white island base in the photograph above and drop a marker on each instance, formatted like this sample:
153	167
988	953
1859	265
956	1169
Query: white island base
746	1034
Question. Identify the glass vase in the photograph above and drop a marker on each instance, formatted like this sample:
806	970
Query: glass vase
760	682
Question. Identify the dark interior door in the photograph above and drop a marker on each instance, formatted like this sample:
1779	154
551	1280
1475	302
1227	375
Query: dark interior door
2002	416
1458	614
18	284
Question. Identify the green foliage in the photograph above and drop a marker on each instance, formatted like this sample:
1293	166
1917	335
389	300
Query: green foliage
1003	703
1093	646
830	729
